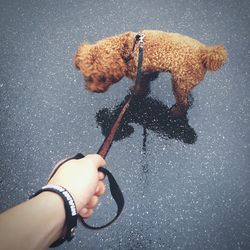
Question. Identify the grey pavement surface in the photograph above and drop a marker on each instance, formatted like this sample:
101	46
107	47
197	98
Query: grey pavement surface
186	184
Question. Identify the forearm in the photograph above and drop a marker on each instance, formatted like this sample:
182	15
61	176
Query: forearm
39	222
34	224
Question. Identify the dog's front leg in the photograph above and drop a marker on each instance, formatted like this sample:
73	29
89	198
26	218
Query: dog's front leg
143	86
140	88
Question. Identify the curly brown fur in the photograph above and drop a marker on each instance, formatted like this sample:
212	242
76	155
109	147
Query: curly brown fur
109	60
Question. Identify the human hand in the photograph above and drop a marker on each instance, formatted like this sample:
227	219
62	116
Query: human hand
83	181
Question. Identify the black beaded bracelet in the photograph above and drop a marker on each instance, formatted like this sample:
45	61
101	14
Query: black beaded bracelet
70	211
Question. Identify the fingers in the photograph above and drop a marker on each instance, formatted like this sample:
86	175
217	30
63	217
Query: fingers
101	176
93	202
83	180
100	189
95	159
85	213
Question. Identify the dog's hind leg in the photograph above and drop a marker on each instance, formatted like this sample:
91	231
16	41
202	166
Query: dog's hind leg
181	90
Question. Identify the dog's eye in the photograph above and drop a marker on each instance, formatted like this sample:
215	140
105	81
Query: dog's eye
102	79
88	78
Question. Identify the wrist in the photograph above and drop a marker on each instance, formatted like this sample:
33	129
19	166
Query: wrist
54	199
54	203
48	209
60	197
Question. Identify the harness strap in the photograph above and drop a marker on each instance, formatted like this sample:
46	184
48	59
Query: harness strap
140	58
138	38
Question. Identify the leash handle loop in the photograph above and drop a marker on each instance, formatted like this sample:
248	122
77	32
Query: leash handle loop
115	192
114	189
117	196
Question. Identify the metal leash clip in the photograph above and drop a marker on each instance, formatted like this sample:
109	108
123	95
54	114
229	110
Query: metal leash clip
141	40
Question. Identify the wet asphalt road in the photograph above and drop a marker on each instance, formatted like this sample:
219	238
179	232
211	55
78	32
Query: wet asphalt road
186	183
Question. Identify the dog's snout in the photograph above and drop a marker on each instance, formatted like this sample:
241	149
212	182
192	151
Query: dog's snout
88	78
97	88
102	79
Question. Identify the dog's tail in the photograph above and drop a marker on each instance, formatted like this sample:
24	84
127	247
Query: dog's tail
213	57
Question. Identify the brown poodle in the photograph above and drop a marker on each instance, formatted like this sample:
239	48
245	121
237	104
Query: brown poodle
187	59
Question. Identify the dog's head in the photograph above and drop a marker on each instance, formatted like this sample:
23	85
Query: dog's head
100	64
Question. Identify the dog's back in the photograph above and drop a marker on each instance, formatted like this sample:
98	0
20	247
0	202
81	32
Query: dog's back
174	52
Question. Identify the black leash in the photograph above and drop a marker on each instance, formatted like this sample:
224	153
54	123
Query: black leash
104	149
140	39
106	145
69	205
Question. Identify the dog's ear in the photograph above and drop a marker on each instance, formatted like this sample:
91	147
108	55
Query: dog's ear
82	51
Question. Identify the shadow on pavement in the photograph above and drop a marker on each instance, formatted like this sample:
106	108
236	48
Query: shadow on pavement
152	115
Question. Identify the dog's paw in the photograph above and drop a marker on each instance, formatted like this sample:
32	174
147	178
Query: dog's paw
177	111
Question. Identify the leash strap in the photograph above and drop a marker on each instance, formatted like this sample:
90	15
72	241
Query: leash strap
106	145
117	196
115	192
103	151
140	58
